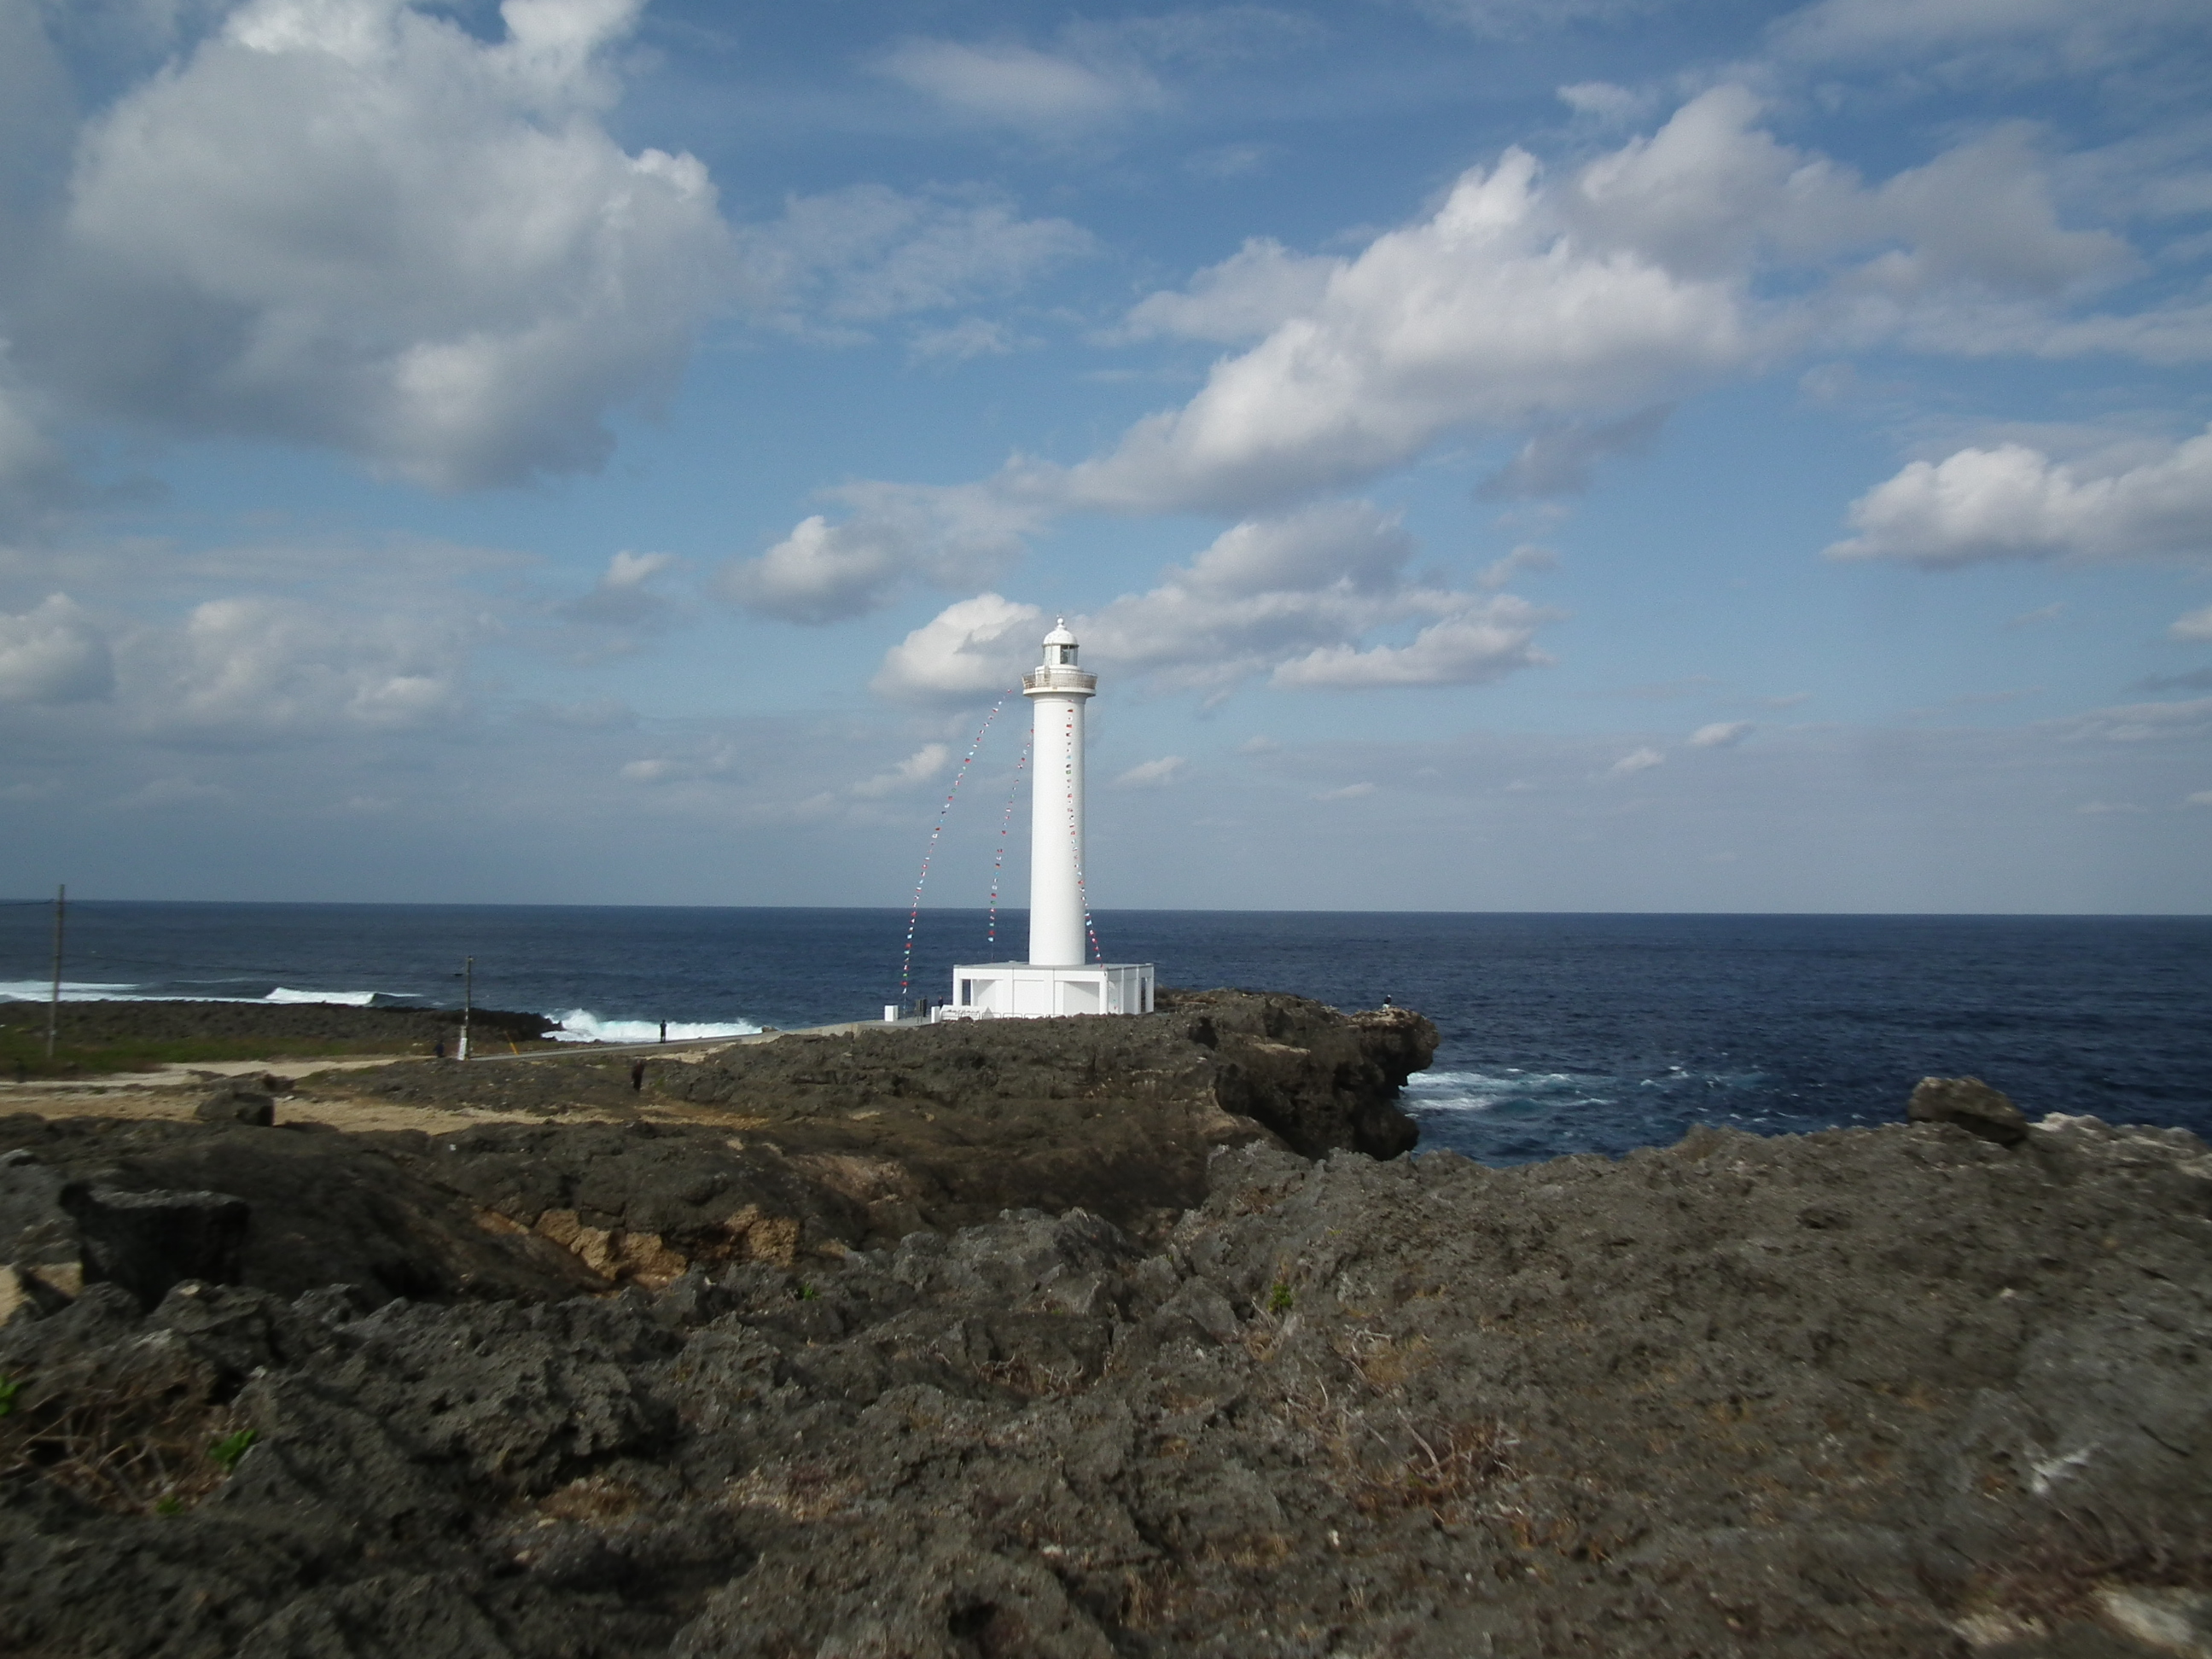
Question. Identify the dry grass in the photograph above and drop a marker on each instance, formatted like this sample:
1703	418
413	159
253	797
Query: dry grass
1033	1380
593	1498
801	1492
1443	1470
1386	1461
2056	1574
132	1445
1383	1362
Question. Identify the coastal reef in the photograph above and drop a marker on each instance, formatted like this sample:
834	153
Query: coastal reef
1912	1390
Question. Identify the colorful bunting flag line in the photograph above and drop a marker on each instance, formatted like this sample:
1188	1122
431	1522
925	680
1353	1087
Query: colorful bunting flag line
914	915
1075	841
998	863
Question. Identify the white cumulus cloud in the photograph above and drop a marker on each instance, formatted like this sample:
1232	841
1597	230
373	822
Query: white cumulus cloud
1486	640
261	665
1152	773
620	599
33	472
2011	502
52	654
956	342
351	221
1560	460
2193	625
1576	305
1006	84
1243	297
1295	596
1487	313
1637	760
968	650
919	768
833	265
1580	304
2002	39
2141	722
824	571
1722	734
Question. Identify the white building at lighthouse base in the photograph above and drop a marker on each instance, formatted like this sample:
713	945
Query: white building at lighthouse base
1030	990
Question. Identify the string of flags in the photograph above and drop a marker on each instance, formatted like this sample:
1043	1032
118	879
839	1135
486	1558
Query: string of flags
998	863
914	915
1075	841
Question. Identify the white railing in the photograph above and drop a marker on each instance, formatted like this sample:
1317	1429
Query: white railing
1053	677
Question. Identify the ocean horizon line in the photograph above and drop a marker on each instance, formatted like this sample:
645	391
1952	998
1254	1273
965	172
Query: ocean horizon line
47	901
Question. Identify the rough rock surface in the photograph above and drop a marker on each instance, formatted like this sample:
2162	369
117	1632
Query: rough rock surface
1972	1104
236	1102
771	1153
1900	1391
306	1208
946	1126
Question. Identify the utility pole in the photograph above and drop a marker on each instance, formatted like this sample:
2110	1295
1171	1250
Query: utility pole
468	1000
54	1001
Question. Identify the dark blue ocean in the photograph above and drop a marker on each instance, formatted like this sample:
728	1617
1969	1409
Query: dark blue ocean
1561	1033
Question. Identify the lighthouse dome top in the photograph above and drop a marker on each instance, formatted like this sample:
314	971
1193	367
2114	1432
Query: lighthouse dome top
1058	674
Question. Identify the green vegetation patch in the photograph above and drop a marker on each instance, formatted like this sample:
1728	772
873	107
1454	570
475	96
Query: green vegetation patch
103	1037
23	1052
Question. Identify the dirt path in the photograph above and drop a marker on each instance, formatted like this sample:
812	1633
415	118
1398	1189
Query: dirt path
174	1092
144	1102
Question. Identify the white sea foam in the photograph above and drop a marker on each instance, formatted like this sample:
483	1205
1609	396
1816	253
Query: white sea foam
1480	1092
581	1025
38	990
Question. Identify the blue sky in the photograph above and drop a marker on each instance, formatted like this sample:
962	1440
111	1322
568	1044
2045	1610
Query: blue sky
1610	455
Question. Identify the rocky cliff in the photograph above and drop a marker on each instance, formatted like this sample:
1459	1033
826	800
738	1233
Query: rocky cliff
1909	1391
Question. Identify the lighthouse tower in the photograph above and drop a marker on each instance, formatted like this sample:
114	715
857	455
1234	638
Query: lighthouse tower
1058	978
1057	690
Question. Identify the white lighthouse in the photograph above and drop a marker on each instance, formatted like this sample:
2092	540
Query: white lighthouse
1058	978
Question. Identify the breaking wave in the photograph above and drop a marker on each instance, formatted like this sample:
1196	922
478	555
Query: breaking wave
39	990
581	1025
1509	1115
1508	1090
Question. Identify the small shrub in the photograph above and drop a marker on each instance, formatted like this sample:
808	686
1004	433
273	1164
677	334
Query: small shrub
1280	1299
128	1444
1028	1377
228	1450
8	1396
1443	1470
807	1294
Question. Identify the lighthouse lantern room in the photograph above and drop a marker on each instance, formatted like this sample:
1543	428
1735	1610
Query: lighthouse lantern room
1058	978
